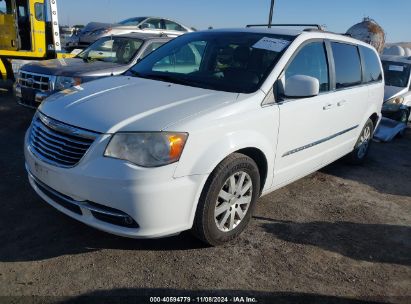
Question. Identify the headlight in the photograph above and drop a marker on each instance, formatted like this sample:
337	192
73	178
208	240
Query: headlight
152	149
395	101
63	82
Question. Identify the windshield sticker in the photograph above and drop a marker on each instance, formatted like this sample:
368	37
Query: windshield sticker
396	68
271	44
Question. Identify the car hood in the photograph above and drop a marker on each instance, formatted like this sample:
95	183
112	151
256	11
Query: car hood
124	103
69	67
92	26
391	92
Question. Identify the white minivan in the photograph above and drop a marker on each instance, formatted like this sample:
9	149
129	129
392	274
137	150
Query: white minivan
195	133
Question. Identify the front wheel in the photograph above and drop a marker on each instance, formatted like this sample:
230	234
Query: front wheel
362	146
227	201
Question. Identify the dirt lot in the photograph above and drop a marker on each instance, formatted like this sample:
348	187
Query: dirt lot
340	235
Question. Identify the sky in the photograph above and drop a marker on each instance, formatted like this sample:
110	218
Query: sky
338	15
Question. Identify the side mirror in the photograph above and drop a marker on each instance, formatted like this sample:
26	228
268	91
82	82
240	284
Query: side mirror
300	86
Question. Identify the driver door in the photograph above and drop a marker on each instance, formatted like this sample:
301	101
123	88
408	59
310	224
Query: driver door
304	122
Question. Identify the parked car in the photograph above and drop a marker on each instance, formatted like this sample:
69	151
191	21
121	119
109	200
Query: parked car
194	133
151	25
397	96
109	56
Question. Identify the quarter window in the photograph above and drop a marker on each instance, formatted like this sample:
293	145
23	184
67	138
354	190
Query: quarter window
311	61
347	65
371	64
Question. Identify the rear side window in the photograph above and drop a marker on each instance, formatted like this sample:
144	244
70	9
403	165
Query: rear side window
371	65
347	65
311	61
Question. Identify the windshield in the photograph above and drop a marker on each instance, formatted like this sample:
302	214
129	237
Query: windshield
225	61
396	74
112	49
132	21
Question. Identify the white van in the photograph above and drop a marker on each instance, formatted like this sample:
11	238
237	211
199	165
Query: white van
194	134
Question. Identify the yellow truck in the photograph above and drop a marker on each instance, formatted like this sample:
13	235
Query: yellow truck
29	30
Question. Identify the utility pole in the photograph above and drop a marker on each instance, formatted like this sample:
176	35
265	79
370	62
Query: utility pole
270	18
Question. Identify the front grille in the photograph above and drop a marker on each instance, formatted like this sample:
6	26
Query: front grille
57	143
35	81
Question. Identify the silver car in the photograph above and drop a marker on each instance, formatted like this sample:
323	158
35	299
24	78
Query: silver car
109	56
150	25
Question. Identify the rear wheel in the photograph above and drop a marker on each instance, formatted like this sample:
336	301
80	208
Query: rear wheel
228	199
362	147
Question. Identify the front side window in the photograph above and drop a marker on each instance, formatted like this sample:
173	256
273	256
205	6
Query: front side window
152	47
372	69
172	26
347	65
311	61
153	24
396	74
226	61
117	50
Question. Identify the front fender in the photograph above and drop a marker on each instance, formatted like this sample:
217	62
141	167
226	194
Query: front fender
201	158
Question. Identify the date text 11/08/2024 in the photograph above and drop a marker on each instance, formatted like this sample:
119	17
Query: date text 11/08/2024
239	299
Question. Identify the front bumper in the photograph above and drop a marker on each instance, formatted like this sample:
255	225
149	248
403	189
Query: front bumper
160	204
28	97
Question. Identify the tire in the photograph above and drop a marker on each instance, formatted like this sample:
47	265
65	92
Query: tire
221	205
362	146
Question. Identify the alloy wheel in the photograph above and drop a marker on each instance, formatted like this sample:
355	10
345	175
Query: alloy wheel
364	141
233	201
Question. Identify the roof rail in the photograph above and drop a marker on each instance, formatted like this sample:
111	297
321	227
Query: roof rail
319	27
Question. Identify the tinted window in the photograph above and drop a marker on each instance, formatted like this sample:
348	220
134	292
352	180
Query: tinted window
372	70
311	61
347	65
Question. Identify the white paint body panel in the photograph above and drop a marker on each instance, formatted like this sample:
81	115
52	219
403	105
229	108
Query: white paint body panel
163	200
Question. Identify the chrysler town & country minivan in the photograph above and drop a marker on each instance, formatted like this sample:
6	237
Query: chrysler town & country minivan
190	137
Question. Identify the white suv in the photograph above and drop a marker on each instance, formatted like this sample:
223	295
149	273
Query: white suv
197	131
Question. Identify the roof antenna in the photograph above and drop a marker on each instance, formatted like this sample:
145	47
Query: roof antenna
270	18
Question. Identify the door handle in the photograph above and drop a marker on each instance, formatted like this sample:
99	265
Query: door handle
328	106
341	103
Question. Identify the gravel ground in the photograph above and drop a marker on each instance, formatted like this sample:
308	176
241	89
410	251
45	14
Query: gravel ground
339	235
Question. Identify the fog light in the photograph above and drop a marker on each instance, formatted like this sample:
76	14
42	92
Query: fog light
128	220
